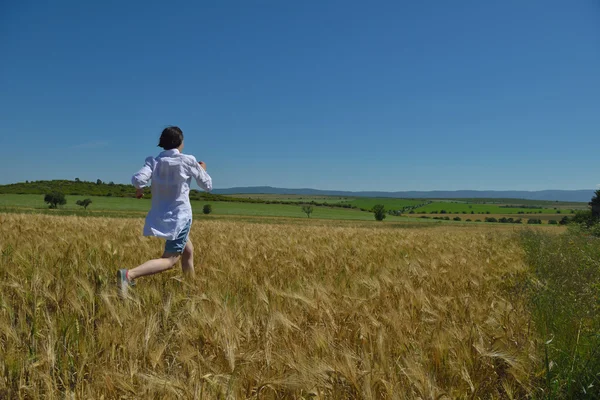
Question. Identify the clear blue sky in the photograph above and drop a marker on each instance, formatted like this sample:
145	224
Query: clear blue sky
350	95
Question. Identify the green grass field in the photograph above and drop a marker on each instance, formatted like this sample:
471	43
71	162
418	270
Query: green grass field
293	198
129	207
389	203
458	208
454	206
120	204
523	202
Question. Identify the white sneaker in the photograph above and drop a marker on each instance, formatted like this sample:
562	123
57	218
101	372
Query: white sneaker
123	283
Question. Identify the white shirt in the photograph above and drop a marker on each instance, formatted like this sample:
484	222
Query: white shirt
171	173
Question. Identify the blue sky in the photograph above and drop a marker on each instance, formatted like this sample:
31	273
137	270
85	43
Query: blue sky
349	95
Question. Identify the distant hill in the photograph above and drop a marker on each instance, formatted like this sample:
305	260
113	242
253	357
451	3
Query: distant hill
84	188
548	195
100	188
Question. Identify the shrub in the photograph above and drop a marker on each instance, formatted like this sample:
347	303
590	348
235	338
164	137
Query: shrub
553	222
584	218
84	203
207	209
55	199
307	209
457	219
490	219
564	220
379	211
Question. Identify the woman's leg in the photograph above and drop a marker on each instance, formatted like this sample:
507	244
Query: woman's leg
167	261
187	260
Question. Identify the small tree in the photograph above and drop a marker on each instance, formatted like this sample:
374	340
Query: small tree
98	182
564	221
379	210
84	203
55	199
306	209
207	209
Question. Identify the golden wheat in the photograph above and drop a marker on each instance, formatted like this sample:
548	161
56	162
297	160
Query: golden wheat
276	311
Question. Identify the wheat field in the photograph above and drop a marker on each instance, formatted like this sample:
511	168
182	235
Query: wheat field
275	311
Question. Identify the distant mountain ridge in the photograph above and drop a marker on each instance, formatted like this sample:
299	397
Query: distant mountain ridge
548	195
100	188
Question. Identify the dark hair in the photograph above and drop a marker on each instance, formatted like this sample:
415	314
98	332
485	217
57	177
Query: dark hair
171	138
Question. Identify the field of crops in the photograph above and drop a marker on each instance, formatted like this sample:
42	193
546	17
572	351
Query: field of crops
276	311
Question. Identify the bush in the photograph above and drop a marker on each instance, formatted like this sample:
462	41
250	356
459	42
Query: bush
490	219
457	219
564	221
55	199
553	222
379	211
207	209
584	217
533	221
307	209
84	203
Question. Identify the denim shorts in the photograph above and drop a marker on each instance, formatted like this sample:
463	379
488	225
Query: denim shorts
176	246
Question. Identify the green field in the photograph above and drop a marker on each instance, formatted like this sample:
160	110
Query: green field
389	203
457	208
451	206
106	206
460	207
292	198
524	202
99	203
